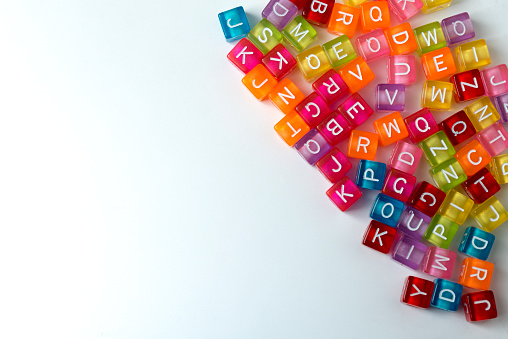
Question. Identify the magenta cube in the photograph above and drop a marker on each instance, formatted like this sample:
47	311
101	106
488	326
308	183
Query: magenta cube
413	223
405	9
334	165
405	157
458	28
313	146
356	110
313	109
501	102
494	139
373	45
245	55
279	12
390	97
421	125
439	262
335	128
401	69
495	80
344	194
330	86
408	251
279	62
399	185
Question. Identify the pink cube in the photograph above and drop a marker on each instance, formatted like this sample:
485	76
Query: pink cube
335	128
334	165
330	86
494	139
344	194
313	146
401	69
495	80
279	62
356	110
399	185
421	125
405	9
313	109
405	157
245	55
439	262
373	45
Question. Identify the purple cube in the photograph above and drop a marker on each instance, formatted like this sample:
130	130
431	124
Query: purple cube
413	223
458	28
501	103
408	251
313	146
391	97
280	12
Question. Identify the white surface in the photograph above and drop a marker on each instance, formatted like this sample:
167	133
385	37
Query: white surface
144	193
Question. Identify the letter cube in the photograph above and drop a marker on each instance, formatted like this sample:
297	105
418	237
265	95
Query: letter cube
401	69
437	95
439	262
354	3
479	306
374	15
330	86
471	55
373	45
299	33
317	12
344	194
458	28
472	158
313	109
405	157
448	174
245	56
477	243
439	64
399	185
405	9
458	128
370	175
313	62
427	198
413	223
430	38
437	148
481	186
482	113
312	146
356	110
495	80
456	207
344	20
390	97
279	61
494	139
476	273
401	39
292	128
265	36
299	3
446	295
417	292
468	85
379	236
335	128
408	251
234	24
421	125
334	165
259	82
490	214
387	210
430	6
499	168
286	96
279	12
362	145
340	51
501	103
390	128
357	74
441	231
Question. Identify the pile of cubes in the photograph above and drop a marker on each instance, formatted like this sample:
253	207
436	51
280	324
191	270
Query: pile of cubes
415	223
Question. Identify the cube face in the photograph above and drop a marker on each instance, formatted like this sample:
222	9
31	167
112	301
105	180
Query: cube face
374	15
430	6
390	128
458	128
334	165
387	210
265	36
408	251
335	128
499	168
405	157
399	185
477	243
259	82
481	186
291	128
330	86
456	207
373	45
286	96
441	231
476	273
439	64
356	110
439	262
494	139
495	80
340	51
458	28
312	146
413	223
313	109
490	214
427	198
354	3
299	3
401	39
479	306
313	63
430	38
437	148
472	158
404	10
317	12
379	236
417	292
370	174
357	74
471	55
421	125
344	194
279	62
482	113
234	24
362	145
437	95
390	97
501	103
245	56
279	12
446	295
448	174
468	85
401	69
299	33
344	20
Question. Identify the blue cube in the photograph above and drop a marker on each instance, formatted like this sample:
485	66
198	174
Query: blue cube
387	210
370	175
477	243
234	24
446	295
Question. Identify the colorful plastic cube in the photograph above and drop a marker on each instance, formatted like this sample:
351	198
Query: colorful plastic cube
427	198
401	39
259	82
401	69
344	20
471	55
355	109
495	80
408	251
413	223
448	174
468	85
370	174
439	64
362	145
405	157
482	113
299	33
441	231
344	194
387	210
390	97
340	51
373	45
399	185
279	62
446	295
317	12
379	236
245	55
439	262
334	165
479	306
430	37
374	15
330	86
299	3
437	148
313	109
286	96
357	74
280	12
494	139
476	273
481	186
437	95
335	128
354	3
430	6
456	207
421	125
313	62
458	128
417	292
405	9
458	29
292	128
499	168
265	36
490	214
477	243
501	103
234	24
390	128
312	146
472	157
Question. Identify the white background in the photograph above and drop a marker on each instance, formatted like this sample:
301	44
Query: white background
144	193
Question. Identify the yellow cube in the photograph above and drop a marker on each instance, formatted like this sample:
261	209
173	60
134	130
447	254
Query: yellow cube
490	214
437	95
354	3
499	168
456	207
430	6
313	62
482	113
472	55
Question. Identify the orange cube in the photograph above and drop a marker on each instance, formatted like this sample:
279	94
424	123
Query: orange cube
344	20
390	128
374	15
362	145
401	39
476	273
292	128
472	158
439	64
286	96
357	74
259	82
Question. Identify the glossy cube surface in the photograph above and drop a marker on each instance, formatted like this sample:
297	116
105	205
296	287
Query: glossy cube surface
265	36
399	185
390	128
439	262
437	95
427	199
312	146
499	168
379	236
417	292
354	3
439	64
401	69
362	145
373	45
456	207
313	109
472	157
286	96
494	139
357	74
279	62
390	97
421	125
344	194
482	113
405	157
374	15
468	85
370	174
279	12
299	33
313	62
495	80
441	231
291	128
437	148
401	39
490	214
387	210
408	251
344	20
234	24
481	186
471	55
448	174
501	103
430	37
476	273
259	81
330	86
334	165
477	243
458	28
335	128
458	128
355	109
245	56
413	223
479	306
430	6
404	10
446	295
317	12
340	51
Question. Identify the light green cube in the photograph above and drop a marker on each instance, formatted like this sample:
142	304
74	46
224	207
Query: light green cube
448	174
437	148
299	33
340	51
265	36
441	231
430	37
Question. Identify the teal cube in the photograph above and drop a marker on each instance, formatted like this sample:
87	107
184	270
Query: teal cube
448	175
234	24
387	210
299	33
441	231
370	175
429	37
437	148
446	295
265	36
477	243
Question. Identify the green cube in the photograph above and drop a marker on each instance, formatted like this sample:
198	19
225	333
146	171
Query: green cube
437	148
299	33
339	51
441	231
448	175
265	36
430	37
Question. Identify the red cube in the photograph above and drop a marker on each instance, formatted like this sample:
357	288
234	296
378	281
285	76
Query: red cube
481	186
458	128
421	125
417	292
479	306
399	185
335	128
427	198
317	12
313	109
468	85
334	165
379	236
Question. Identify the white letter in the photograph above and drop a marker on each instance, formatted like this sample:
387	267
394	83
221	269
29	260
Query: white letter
277	4
313	104
344	16
460	123
479	271
233	26
418	292
436	63
399	190
408	162
369	41
379	235
265	38
482	247
371	177
464	84
243	53
452	299
386	216
321	8
313	56
417	125
388	129
442	228
315	143
395	36
360	144
289	95
299	34
336	170
437	262
335	130
429	37
441	92
342	195
408	68
380	14
471	160
455	24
